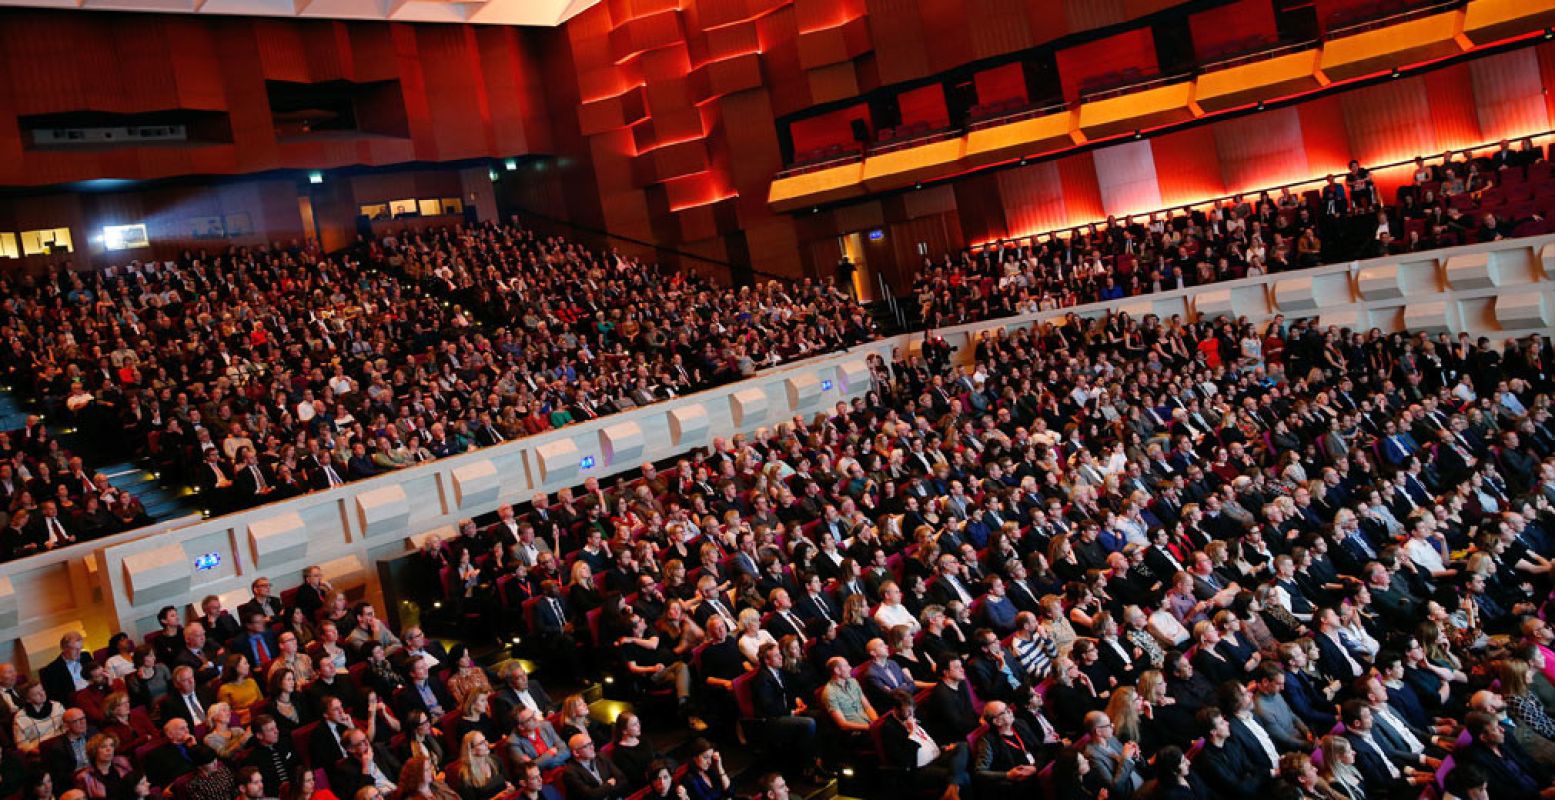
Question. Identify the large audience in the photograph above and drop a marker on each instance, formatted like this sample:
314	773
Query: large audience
259	374
1232	560
1452	200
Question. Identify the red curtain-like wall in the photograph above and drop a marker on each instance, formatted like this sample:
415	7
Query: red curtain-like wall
462	92
1001	83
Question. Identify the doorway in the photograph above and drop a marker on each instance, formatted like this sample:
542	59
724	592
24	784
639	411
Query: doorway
852	247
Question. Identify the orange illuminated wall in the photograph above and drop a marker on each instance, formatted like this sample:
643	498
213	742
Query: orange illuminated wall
1470	103
1007	82
679	99
1081	64
924	104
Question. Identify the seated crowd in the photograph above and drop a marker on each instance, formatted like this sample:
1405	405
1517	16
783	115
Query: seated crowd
1459	200
1194	572
257	375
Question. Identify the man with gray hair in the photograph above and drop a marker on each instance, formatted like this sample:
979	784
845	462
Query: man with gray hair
1115	762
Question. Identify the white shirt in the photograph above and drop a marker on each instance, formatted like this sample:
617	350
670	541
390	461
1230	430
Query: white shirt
1262	736
928	750
1385	715
890	616
1424	555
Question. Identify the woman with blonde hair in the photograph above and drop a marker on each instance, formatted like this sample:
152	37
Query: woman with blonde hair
480	775
1123	710
752	635
224	737
1338	771
1516	681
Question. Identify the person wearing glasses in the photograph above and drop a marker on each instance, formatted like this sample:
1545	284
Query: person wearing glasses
1116	763
1007	753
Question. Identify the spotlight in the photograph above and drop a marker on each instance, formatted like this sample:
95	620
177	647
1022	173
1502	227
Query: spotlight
917	186
510	164
847	772
315	177
437	604
1138	135
1395	73
492	174
1549	33
1023	162
610	679
1260	105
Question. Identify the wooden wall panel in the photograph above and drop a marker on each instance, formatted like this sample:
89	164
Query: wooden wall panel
1033	198
1187	167
1508	95
1126	176
1451	100
1389	120
480	89
1261	150
1323	135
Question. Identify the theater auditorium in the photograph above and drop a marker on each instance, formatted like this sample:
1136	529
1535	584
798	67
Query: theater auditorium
777	399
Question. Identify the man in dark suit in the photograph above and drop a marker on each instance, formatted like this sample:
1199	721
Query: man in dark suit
199	654
1334	661
1007	752
995	672
1511	772
66	674
783	620
948	712
423	693
554	627
62	755
1236	702
901	738
263	601
1223	764
814	604
589	777
781	711
251	485
271	754
256	641
214	480
362	765
1306	698
518	689
173	759
1382	778
314	591
186	700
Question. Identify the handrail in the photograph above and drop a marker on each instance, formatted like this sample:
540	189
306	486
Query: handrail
890	298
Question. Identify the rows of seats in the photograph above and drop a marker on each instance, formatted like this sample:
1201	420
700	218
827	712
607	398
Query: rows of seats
259	375
1460	199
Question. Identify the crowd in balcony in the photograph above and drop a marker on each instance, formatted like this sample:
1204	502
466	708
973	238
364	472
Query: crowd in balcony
1456	199
1287	559
257	375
